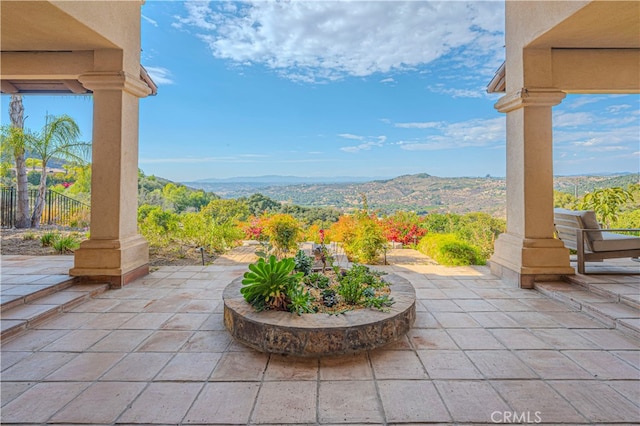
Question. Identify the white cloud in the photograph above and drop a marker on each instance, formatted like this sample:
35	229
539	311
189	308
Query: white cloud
572	119
159	75
458	93
387	80
617	108
329	40
350	136
149	20
366	145
423	125
486	133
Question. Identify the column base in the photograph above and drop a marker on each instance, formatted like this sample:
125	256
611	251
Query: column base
116	261
522	261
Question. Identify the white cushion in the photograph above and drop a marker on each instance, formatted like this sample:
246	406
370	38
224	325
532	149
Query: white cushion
589	221
616	242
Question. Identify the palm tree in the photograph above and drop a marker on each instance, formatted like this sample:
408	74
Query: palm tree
13	145
57	139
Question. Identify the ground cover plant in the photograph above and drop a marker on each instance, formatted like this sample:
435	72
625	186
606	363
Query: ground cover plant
289	285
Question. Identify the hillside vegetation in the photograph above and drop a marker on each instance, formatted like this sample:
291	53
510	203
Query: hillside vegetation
421	193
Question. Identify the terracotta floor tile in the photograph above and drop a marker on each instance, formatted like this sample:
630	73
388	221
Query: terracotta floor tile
552	365
494	319
559	338
349	402
397	365
610	339
207	341
517	338
108	320
186	367
121	341
37	366
455	320
11	390
213	322
448	364
85	367
50	396
431	339
597	401
240	366
223	403
7	359
286	368
346	367
76	341
500	365
164	403
146	321
547	405
185	322
534	320
412	401
604	365
474	338
286	402
69	321
100	403
137	367
470	401
164	341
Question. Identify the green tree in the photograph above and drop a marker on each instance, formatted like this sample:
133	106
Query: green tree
564	200
606	203
57	139
222	210
14	145
259	204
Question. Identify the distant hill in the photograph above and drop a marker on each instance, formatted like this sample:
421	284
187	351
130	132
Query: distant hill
419	192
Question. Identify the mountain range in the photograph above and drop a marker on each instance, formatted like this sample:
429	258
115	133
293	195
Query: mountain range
418	192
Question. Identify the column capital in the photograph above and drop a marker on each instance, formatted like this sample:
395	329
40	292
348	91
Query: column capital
529	98
115	80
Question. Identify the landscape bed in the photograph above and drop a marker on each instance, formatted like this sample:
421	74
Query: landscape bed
320	334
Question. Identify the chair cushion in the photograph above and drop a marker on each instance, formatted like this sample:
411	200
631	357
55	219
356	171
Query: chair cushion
616	242
589	221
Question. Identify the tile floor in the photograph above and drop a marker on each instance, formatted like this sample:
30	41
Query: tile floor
157	352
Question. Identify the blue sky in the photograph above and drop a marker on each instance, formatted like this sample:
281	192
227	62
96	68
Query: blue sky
325	88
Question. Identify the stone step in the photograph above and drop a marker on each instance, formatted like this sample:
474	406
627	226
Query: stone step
28	293
606	307
16	317
622	293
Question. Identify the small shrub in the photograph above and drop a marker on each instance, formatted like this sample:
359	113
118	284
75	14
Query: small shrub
65	244
47	239
266	284
29	236
300	300
284	233
448	250
303	262
317	280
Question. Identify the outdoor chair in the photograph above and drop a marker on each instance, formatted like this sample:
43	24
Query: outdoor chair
580	231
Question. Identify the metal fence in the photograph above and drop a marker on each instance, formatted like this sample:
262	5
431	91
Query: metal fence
58	209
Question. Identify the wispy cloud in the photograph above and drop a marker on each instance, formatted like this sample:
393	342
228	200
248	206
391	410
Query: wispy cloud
159	75
149	20
329	40
367	144
243	158
458	93
422	125
487	133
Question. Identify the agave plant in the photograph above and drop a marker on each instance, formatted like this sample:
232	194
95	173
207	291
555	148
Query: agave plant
267	283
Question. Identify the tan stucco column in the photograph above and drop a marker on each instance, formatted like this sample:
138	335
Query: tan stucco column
528	250
115	251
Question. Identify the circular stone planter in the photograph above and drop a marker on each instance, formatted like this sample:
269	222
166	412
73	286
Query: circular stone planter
312	335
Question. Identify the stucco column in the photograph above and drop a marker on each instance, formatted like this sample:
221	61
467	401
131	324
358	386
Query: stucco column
528	251
115	251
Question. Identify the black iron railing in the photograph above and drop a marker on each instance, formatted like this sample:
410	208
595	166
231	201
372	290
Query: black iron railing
58	209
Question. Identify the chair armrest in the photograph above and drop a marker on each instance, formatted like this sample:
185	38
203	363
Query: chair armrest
620	230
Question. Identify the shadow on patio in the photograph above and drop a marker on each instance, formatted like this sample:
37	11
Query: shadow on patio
157	352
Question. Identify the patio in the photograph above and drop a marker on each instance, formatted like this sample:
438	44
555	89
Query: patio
481	351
